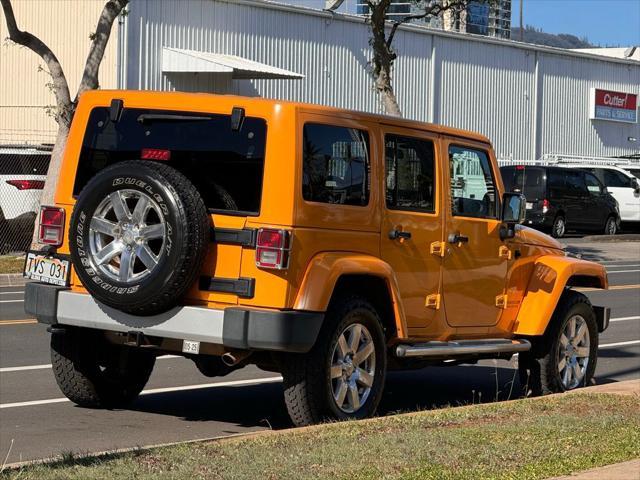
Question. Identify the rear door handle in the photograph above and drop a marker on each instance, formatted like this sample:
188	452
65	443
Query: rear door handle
395	234
457	238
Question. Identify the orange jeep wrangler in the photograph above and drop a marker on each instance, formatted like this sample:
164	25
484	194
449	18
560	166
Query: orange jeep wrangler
324	244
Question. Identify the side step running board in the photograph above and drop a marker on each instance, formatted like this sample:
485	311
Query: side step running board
462	347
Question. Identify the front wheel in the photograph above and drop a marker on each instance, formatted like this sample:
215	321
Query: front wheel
559	227
343	376
565	357
611	226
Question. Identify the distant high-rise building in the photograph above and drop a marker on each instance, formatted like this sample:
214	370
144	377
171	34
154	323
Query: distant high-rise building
481	18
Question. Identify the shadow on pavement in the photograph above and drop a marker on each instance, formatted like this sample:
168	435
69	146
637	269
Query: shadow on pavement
263	405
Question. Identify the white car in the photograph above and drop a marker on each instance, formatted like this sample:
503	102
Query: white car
22	175
621	184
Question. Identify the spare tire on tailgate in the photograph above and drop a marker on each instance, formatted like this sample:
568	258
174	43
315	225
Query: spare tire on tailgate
138	236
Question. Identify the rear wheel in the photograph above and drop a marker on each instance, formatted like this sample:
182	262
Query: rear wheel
343	376
559	227
611	226
93	373
565	357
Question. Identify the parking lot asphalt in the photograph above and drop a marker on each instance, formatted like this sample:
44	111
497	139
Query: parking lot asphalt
179	403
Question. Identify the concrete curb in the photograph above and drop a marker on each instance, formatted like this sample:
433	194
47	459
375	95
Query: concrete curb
619	471
628	237
12	280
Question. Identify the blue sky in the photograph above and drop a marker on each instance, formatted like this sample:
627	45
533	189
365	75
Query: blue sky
605	22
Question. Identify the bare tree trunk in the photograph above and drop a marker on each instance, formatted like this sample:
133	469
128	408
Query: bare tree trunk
383	57
65	107
49	191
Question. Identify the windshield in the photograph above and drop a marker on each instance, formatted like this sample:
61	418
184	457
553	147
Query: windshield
530	181
634	171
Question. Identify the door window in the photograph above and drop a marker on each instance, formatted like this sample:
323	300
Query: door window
335	165
410	174
593	184
473	191
613	178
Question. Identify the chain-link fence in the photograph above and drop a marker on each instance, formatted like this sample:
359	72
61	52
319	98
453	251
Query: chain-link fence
23	170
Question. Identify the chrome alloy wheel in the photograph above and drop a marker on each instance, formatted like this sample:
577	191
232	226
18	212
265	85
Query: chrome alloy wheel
353	365
127	235
559	227
573	352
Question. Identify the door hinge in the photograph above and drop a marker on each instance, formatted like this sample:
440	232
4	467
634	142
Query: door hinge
437	248
501	301
504	252
433	301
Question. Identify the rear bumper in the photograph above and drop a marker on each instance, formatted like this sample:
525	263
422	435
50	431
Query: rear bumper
233	327
538	219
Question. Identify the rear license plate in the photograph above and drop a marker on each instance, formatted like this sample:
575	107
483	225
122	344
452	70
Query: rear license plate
529	205
38	266
190	347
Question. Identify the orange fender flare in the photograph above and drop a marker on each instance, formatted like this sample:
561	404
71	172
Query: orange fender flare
324	271
551	274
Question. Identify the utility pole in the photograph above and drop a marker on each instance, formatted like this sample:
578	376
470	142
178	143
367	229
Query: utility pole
521	26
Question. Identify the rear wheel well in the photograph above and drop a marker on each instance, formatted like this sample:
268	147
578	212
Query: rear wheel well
375	290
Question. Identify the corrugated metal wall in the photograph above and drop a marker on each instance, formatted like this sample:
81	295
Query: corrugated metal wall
64	25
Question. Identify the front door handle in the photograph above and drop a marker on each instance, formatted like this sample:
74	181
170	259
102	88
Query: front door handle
395	234
457	238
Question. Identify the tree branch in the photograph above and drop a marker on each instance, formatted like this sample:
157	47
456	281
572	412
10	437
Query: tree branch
109	14
433	10
26	39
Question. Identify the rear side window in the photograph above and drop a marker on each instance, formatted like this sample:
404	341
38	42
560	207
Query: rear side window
335	165
530	181
575	182
225	165
410	174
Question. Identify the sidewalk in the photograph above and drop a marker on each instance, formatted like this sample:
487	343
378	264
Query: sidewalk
619	471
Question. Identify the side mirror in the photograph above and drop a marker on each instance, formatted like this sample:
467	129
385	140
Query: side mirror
514	208
635	185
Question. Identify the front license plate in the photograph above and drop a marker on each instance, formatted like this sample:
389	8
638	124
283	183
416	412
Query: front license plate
190	347
529	205
43	268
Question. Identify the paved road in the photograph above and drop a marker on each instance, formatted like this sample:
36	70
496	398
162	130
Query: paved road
180	404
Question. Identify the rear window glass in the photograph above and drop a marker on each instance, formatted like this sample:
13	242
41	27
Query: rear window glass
226	166
335	165
19	164
528	181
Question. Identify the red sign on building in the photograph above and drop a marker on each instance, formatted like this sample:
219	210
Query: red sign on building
613	106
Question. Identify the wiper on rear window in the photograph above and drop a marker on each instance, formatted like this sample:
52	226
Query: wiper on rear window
167	117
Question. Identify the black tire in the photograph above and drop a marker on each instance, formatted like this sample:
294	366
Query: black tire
173	204
308	387
559	227
92	373
611	226
540	367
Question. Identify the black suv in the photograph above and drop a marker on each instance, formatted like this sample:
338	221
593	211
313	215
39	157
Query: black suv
559	199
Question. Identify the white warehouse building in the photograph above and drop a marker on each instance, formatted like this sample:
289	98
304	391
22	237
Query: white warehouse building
530	100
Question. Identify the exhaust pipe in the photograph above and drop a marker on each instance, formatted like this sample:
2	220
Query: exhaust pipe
231	359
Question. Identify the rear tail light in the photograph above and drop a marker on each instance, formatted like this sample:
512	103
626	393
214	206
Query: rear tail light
520	167
27	184
545	205
273	248
51	229
155	154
